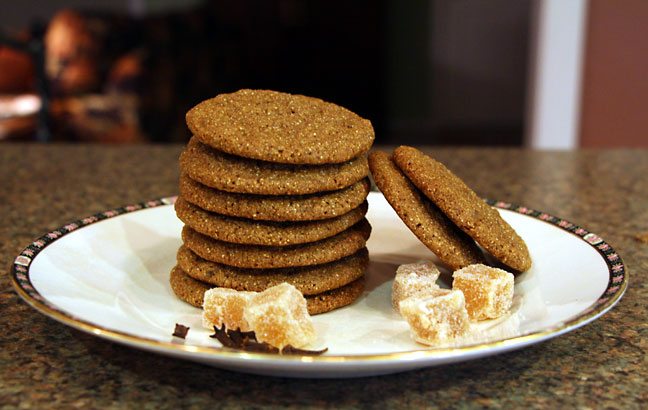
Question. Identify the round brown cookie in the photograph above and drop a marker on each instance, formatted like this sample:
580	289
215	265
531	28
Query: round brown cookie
193	291
246	231
279	127
422	217
237	174
335	298
258	256
462	205
187	288
275	207
308	280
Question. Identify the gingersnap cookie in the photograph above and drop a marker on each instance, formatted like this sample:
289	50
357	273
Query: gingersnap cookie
237	174
193	291
279	127
247	231
187	288
259	256
278	208
462	205
335	298
421	216
308	280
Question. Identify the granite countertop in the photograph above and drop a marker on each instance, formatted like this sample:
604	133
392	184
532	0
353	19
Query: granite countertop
603	364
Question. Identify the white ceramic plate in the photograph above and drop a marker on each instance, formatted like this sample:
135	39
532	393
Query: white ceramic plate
108	275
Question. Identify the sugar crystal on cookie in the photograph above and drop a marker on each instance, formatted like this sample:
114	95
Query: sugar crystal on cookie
414	279
437	320
488	291
279	317
224	306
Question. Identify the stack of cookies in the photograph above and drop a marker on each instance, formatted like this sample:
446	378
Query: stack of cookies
273	189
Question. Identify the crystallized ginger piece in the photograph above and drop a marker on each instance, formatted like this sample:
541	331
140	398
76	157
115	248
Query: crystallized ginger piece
437	320
488	291
414	279
224	306
279	317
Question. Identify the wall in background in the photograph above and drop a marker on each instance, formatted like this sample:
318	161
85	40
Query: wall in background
457	71
615	82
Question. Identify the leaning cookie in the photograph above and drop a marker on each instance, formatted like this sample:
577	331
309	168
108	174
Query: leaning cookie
422	217
193	291
462	205
248	176
247	231
280	208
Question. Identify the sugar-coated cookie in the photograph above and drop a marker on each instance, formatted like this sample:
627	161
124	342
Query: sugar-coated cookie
193	291
280	127
462	205
258	256
280	208
308	280
421	216
247	231
236	174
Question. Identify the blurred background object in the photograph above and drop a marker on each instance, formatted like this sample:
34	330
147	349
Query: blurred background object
19	105
18	115
16	71
438	72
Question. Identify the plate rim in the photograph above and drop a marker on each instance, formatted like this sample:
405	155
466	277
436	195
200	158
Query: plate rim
615	289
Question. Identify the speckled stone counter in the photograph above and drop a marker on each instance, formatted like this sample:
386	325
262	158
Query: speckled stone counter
45	364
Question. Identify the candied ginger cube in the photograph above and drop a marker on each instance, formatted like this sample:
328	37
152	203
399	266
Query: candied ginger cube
224	306
488	291
414	279
437	320
279	317
425	268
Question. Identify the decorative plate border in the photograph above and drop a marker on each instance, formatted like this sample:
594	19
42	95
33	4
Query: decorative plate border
617	284
618	277
20	268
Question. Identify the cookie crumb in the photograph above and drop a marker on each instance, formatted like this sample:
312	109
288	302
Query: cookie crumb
180	331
